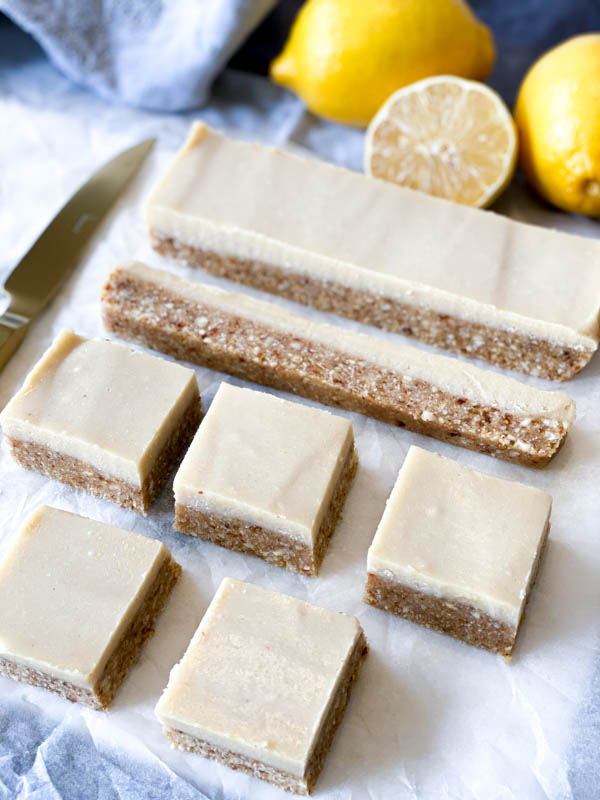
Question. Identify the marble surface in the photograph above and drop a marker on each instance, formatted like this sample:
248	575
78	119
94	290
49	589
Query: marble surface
430	718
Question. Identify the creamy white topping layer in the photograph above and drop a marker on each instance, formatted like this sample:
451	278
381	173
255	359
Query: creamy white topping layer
259	675
266	461
458	534
248	201
69	587
103	403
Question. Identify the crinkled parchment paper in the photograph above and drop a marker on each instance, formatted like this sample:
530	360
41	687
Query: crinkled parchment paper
430	717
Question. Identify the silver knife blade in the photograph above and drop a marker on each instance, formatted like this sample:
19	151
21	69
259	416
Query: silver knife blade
42	270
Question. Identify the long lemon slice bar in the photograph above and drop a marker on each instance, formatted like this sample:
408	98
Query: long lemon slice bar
470	281
431	394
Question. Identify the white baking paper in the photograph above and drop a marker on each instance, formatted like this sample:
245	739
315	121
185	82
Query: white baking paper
430	718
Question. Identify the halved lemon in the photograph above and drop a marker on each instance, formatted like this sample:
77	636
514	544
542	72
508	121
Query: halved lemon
446	136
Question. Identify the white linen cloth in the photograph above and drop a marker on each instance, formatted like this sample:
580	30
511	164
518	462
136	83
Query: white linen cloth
146	53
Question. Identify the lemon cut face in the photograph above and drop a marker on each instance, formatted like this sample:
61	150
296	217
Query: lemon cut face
446	136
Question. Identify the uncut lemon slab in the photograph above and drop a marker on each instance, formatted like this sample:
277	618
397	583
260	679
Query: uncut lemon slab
446	136
468	280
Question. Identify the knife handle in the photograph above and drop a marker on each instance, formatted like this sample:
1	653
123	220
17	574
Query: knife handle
13	328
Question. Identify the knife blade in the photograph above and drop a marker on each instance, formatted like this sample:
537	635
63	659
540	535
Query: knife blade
42	270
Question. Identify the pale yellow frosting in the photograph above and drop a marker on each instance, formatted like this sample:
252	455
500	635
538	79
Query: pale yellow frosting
448	374
459	534
266	461
112	407
249	201
69	587
259	674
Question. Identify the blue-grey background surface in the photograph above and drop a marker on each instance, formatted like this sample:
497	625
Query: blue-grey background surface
51	757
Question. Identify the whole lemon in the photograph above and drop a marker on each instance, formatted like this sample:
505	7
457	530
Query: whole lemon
345	57
558	119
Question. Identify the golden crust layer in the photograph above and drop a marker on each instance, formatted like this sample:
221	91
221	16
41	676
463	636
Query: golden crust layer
273	547
284	780
505	348
80	475
148	313
124	654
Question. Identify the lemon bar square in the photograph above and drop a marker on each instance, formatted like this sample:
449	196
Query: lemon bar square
458	551
266	476
78	599
264	684
104	418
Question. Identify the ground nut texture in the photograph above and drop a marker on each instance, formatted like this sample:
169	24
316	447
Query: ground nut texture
124	654
160	317
77	473
285	780
272	546
510	349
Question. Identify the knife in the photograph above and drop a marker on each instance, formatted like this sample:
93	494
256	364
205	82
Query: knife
41	271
